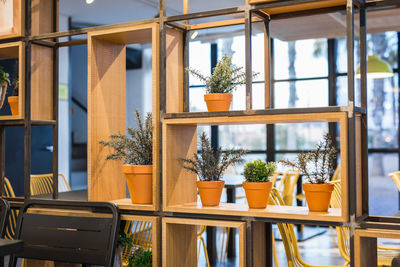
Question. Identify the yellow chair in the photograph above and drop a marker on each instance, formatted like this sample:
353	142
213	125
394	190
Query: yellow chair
385	254
202	243
336	174
287	184
13	216
141	234
42	184
396	178
288	236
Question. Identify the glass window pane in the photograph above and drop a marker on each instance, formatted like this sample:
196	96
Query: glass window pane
196	99
199	59
250	137
383	192
299	136
300	59
312	93
383	116
257	56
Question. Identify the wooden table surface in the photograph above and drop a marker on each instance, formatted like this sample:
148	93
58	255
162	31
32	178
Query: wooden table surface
8	247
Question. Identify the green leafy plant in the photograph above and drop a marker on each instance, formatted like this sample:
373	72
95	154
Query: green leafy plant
141	258
4	76
225	77
258	171
210	164
15	82
316	165
124	240
137	147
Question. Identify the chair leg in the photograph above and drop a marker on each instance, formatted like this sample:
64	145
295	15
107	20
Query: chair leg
275	254
333	236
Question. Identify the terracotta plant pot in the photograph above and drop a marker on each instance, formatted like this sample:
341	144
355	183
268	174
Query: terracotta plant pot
210	192
257	194
218	102
14	103
140	183
318	196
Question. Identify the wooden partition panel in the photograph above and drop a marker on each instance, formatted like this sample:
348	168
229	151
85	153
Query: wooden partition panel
42	19
179	141
174	71
106	116
42	68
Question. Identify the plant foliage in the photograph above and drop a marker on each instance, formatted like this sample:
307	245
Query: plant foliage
225	76
210	164
124	240
4	76
258	171
15	82
137	147
141	258
316	165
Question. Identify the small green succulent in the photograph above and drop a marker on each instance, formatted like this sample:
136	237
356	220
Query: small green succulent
258	171
4	76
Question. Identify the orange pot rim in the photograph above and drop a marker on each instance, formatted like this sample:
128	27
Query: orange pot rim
130	168
210	184
257	185
318	187
218	96
12	98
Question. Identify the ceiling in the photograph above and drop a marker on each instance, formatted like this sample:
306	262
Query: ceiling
102	12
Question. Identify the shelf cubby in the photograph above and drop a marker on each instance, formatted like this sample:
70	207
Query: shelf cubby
179	240
107	109
154	223
297	7
14	51
179	186
12	19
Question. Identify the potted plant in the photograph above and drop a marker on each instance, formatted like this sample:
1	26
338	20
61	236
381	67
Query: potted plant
209	167
13	100
257	185
4	82
316	166
136	150
124	240
220	85
141	258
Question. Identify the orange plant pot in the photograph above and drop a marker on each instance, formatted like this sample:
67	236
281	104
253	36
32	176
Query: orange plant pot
318	196
218	102
210	192
14	103
140	183
257	194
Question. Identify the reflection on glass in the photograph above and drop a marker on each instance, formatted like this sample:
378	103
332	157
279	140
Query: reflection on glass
383	192
299	136
250	137
311	93
300	59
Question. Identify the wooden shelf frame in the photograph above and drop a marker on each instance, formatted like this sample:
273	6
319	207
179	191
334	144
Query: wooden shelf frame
179	186
155	235
107	109
18	17
179	240
15	50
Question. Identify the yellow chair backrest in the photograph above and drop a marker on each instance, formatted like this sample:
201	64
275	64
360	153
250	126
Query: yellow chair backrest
42	184
141	234
274	177
336	174
396	178
343	233
12	219
287	184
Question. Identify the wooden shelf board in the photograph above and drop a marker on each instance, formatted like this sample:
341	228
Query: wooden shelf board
283	212
126	204
260	119
298	7
127	35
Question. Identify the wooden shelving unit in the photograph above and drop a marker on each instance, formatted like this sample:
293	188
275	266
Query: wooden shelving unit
107	109
175	212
